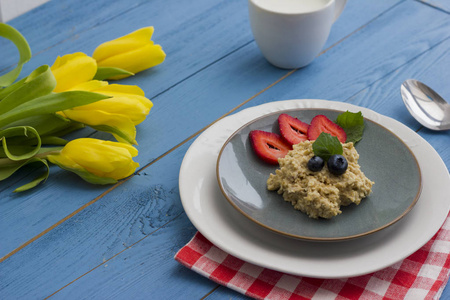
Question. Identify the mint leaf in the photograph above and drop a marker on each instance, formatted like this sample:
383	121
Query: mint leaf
353	125
327	145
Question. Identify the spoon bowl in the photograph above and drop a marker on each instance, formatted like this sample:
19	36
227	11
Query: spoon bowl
425	105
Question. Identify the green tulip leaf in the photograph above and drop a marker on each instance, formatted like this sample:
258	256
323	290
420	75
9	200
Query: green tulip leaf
8	167
39	83
18	149
21	152
120	135
9	89
104	73
41	178
72	127
53	140
21	43
48	104
47	124
42	153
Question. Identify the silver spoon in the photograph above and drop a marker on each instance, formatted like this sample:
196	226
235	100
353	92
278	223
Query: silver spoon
425	105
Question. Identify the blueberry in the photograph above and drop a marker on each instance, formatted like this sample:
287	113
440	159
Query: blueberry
337	164
316	164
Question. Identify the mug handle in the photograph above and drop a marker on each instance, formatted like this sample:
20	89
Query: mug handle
339	7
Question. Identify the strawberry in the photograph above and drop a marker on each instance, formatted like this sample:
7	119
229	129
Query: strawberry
268	146
321	123
292	129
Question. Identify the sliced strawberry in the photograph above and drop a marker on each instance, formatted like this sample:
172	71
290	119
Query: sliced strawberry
292	129
268	146
321	123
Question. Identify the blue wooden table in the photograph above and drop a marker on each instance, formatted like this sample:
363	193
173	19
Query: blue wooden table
68	239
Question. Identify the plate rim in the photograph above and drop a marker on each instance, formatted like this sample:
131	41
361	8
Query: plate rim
402	239
321	239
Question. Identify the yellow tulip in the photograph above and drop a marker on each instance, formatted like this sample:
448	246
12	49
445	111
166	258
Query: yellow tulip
97	161
126	108
133	52
126	100
73	69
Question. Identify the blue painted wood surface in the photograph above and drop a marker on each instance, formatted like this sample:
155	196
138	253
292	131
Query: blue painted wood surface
160	121
71	240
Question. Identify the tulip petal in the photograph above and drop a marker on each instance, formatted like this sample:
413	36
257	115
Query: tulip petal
89	86
124	89
125	43
119	125
134	108
136	60
69	165
114	167
73	69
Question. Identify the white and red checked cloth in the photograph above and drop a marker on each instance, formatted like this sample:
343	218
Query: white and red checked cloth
422	275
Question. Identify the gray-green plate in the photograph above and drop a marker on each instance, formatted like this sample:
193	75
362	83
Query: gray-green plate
384	159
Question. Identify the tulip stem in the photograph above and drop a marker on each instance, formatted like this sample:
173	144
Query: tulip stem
6	162
44	154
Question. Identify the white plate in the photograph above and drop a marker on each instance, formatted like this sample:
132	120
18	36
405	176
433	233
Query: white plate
220	223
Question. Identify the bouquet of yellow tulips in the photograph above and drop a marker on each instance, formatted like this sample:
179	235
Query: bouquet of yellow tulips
37	111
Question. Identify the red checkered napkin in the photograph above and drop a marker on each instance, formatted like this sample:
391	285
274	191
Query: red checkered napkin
423	275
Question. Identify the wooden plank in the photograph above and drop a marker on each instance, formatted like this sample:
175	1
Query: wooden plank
175	111
223	292
63	20
135	268
96	233
442	5
178	36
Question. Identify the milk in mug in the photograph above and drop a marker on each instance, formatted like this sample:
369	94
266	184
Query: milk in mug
292	6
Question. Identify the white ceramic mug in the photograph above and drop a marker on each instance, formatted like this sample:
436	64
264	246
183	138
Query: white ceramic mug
291	33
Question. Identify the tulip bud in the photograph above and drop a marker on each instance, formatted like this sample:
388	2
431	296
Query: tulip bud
97	161
126	100
133	52
118	115
73	69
